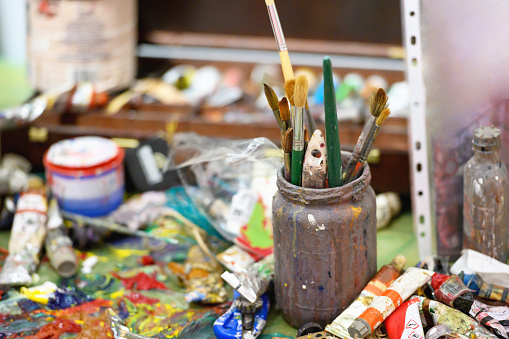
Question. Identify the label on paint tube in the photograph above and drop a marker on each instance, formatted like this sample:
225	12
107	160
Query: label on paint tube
405	322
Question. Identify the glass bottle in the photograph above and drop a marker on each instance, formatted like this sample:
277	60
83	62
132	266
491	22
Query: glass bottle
485	215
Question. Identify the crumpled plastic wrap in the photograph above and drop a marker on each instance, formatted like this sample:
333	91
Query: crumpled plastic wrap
227	178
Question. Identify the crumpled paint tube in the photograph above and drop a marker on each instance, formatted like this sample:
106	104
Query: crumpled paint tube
486	290
254	281
491	317
405	322
200	275
435	312
120	331
383	305
451	291
27	236
378	284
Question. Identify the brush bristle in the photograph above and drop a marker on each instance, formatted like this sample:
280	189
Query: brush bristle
306	135
381	118
284	110
378	102
301	91
287	141
271	97
269	2
290	89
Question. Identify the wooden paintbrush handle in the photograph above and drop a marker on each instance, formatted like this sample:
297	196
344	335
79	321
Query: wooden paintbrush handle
286	65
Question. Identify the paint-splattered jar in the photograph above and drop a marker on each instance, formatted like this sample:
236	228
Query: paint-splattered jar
324	247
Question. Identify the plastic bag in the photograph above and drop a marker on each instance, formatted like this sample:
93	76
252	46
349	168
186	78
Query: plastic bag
233	182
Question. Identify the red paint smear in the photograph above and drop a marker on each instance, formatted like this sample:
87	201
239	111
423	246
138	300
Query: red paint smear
142	282
55	329
88	308
147	260
138	298
438	279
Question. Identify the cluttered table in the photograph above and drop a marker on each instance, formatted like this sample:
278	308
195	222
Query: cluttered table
157	308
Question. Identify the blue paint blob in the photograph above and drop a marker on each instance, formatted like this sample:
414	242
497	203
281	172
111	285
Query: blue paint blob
320	288
67	298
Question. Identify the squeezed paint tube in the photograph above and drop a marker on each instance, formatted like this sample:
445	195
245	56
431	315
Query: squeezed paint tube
486	290
378	284
58	245
254	281
200	276
383	305
405	322
451	291
27	236
440	314
492	317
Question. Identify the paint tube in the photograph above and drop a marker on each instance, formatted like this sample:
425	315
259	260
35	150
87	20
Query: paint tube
451	291
383	305
378	284
405	322
255	280
27	236
486	290
200	275
492	317
58	245
235	259
441	314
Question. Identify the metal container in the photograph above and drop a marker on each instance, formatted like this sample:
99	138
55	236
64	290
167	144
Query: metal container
324	247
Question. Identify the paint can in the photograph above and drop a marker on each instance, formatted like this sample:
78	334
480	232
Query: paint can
324	247
70	41
86	175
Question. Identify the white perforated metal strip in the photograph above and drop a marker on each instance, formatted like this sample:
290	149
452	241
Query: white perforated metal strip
420	169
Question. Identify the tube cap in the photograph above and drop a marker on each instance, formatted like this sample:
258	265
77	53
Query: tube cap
487	137
399	262
359	328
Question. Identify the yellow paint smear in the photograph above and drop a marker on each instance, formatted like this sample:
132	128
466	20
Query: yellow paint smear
356	211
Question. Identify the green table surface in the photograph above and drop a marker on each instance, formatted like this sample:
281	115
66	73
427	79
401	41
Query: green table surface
14	85
396	239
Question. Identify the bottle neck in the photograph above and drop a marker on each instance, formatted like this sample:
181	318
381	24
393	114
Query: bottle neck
483	154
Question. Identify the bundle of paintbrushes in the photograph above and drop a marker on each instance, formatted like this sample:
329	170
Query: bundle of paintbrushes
316	163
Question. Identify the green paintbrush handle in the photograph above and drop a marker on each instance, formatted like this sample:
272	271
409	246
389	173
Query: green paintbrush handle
331	127
296	168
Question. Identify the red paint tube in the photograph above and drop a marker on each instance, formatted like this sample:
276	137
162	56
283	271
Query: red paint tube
451	291
405	322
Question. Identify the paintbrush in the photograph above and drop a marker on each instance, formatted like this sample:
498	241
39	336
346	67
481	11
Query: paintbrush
286	144
290	89
286	65
274	104
113	227
284	113
331	127
365	142
300	96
